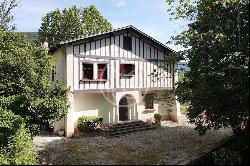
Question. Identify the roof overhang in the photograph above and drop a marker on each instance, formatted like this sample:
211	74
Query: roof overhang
129	28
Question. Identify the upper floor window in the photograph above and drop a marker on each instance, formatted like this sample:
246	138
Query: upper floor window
127	43
127	69
102	71
88	71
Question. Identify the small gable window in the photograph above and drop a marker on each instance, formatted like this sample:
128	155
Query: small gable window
127	69
88	71
127	43
102	71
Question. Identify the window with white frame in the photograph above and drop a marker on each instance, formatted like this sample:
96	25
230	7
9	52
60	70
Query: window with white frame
88	71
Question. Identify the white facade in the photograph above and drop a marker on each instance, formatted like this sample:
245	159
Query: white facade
102	96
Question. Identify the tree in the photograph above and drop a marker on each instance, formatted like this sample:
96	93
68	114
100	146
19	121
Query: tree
73	22
217	46
16	143
6	18
25	86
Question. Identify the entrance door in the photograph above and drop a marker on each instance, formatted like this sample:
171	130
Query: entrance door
123	109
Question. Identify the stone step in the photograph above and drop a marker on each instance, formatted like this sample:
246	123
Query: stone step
129	131
123	128
128	126
127	123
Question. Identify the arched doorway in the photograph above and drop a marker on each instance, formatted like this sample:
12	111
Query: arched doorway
127	109
123	109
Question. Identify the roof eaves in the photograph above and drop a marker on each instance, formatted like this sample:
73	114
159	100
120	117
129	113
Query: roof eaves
115	30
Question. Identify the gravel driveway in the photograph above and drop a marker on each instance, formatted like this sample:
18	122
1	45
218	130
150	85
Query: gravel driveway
171	144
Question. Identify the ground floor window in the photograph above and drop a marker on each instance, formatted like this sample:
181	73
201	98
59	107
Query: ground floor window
149	101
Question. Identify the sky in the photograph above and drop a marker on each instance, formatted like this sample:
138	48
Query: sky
150	16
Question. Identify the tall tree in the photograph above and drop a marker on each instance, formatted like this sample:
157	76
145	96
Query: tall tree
73	22
217	46
25	85
6	18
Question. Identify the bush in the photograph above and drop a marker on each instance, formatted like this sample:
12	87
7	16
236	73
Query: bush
16	143
157	117
89	123
226	156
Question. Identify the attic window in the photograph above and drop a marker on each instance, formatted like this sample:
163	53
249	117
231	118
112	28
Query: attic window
127	43
88	71
127	69
102	71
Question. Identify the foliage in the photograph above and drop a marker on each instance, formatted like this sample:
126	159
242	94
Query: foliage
9	124
25	86
73	22
89	123
216	44
169	99
157	117
181	77
6	18
16	143
225	156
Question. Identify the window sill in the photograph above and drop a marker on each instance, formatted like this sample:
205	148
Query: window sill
98	80
127	76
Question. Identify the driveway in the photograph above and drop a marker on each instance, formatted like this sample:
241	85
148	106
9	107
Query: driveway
171	144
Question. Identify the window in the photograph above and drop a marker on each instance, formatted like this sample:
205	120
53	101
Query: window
87	71
127	69
127	43
102	71
149	101
53	73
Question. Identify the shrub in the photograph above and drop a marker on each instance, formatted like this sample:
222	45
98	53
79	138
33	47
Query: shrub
226	156
157	117
16	143
89	123
21	148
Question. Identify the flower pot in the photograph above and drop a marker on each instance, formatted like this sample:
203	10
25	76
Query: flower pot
61	133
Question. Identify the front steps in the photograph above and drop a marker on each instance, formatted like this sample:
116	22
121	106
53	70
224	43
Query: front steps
127	127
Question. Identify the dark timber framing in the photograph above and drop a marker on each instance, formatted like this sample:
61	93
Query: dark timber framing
121	90
145	54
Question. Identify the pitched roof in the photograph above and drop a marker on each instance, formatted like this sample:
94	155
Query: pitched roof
116	30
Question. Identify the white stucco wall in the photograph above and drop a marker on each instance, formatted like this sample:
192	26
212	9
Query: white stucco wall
93	104
59	60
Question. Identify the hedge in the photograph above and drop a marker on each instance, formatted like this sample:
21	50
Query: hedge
89	123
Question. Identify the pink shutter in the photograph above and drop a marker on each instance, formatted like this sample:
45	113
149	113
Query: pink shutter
101	74
122	69
133	69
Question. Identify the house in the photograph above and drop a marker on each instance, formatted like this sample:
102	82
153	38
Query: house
109	74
